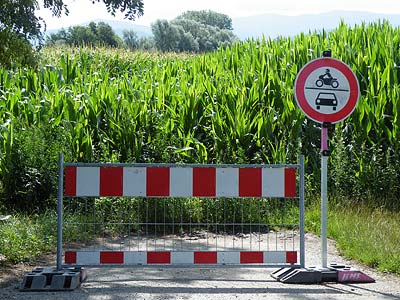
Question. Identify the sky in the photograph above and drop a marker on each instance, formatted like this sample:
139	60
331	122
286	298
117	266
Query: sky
82	11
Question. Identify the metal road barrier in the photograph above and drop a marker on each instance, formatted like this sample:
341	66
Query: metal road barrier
180	215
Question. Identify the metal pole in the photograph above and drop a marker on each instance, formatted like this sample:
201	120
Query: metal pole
324	185
60	209
302	210
324	194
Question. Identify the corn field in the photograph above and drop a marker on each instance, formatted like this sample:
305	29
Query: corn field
234	105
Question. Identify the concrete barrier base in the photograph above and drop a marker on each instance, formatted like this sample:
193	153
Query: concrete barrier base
50	279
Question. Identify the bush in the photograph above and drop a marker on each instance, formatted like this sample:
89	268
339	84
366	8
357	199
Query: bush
31	170
364	173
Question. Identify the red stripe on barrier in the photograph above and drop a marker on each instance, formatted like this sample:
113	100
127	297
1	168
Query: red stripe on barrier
158	257
252	257
250	182
157	182
205	257
70	257
290	183
291	257
111	257
204	182
70	181
111	181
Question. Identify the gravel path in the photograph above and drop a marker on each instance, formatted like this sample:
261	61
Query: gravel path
212	283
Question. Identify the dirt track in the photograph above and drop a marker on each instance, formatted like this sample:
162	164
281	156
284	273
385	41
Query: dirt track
221	283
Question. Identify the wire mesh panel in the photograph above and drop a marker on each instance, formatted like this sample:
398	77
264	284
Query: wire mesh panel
183	215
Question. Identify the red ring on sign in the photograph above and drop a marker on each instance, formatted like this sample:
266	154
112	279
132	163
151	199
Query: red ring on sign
301	98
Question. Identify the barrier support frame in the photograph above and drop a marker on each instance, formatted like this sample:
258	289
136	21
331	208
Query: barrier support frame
301	183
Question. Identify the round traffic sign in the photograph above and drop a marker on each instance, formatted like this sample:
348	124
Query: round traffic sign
326	90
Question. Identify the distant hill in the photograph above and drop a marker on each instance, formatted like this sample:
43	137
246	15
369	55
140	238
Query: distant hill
271	25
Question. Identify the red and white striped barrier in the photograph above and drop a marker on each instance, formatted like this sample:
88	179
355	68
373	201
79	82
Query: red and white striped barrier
179	258
180	181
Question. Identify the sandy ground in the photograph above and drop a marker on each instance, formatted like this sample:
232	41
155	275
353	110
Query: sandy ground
205	283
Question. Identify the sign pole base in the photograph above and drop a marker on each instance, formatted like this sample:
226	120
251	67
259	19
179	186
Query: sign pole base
334	273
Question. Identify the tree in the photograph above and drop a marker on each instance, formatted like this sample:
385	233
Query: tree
19	25
131	39
186	41
105	36
100	34
59	37
165	35
194	31
80	35
146	43
208	17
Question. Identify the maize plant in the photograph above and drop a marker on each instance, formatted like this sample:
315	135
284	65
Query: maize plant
231	106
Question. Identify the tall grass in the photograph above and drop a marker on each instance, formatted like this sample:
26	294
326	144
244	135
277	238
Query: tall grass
367	235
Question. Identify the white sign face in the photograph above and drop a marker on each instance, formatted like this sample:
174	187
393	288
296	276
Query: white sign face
326	90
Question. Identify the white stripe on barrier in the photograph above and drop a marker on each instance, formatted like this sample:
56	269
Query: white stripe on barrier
88	181
88	258
182	257
134	182
274	257
135	258
227	182
229	257
181	182
273	182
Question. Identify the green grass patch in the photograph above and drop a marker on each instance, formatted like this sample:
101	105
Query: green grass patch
370	236
24	238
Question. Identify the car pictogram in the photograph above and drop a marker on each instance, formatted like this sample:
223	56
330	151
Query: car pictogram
326	99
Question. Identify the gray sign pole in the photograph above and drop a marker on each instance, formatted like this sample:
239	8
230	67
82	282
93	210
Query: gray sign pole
324	194
60	209
324	186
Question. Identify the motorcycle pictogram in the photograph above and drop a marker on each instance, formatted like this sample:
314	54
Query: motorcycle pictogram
327	79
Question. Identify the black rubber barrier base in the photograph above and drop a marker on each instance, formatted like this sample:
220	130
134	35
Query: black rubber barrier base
335	273
49	279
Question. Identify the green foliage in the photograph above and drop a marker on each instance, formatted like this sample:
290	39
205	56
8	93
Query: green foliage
18	26
15	51
146	43
194	31
165	35
208	17
18	18
100	34
131	39
235	105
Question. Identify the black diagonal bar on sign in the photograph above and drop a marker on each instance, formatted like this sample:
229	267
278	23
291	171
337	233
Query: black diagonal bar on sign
325	89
